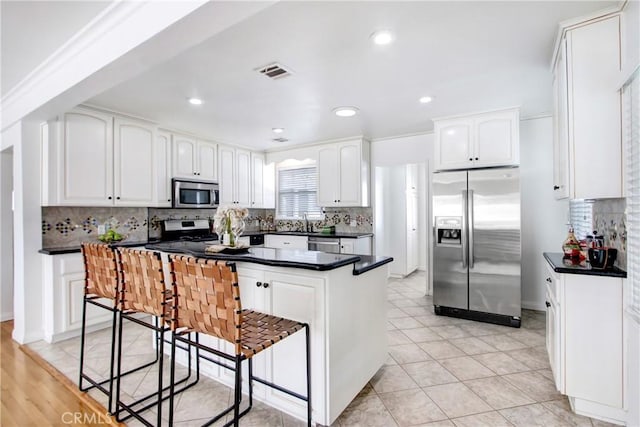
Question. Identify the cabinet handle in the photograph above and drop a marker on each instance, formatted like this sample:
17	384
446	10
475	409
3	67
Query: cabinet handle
118	198
547	303
556	187
549	279
109	197
265	284
259	284
168	200
286	243
476	158
471	159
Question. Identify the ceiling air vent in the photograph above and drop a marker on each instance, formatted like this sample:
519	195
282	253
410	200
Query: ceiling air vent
274	71
280	139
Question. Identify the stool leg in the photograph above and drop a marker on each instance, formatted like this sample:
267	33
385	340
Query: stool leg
82	332
306	330
113	354
173	376
250	383
160	369
238	392
119	369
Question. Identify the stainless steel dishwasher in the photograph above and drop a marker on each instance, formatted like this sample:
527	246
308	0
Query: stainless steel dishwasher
324	244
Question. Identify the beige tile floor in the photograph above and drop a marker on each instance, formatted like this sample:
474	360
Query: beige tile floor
441	371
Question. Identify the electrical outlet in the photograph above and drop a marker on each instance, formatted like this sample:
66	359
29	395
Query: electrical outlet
353	223
102	229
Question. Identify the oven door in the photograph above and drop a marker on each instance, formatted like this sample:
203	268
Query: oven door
189	194
324	244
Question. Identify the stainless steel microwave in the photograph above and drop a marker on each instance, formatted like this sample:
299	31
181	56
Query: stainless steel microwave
195	194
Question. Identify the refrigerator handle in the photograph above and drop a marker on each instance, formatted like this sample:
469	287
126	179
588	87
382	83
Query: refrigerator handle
470	226
464	230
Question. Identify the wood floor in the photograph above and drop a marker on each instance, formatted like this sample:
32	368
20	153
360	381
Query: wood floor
35	394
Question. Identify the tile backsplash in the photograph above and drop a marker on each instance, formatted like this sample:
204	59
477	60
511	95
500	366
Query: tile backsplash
607	217
70	226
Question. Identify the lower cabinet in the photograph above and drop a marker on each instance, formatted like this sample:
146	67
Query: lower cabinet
585	342
280	241
63	290
360	246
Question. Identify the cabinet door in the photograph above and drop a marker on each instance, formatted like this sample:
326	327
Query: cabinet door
87	157
411	179
134	169
347	246
163	169
243	178
297	298
257	180
184	155
453	144
560	136
285	242
496	139
349	181
207	161
552	341
412	231
226	174
328	176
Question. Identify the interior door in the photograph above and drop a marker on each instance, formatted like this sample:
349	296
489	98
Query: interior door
450	273
494	241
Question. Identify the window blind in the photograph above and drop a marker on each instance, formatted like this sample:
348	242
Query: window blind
631	137
297	193
581	213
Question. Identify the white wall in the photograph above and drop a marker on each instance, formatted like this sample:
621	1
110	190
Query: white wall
6	233
543	217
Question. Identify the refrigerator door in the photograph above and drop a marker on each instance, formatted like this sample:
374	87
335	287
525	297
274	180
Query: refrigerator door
450	275
494	241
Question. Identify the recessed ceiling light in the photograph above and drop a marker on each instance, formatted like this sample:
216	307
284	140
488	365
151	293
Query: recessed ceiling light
277	130
426	99
345	111
382	37
195	101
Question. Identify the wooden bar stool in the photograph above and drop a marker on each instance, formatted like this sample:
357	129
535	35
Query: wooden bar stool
143	290
206	299
102	281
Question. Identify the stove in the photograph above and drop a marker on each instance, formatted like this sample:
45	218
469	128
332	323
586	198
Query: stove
191	230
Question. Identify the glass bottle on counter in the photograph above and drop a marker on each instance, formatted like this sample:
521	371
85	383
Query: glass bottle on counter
571	246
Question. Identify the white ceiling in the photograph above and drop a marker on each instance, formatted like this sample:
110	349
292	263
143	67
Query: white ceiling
470	56
33	30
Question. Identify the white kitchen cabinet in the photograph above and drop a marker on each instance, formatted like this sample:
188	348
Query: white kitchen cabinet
194	158
93	159
585	342
343	174
134	163
281	241
163	169
359	246
235	176
262	182
64	290
587	115
479	140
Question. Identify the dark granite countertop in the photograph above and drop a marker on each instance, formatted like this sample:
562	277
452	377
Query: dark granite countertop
76	249
309	260
344	235
565	265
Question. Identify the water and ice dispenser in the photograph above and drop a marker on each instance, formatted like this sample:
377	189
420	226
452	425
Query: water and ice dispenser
448	231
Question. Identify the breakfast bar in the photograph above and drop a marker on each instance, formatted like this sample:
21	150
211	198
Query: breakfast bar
343	299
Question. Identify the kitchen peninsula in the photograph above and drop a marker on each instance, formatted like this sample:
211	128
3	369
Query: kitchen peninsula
342	297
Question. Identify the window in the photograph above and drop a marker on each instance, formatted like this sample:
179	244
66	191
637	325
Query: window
631	135
297	193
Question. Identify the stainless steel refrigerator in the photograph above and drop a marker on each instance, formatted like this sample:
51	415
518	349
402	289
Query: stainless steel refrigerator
476	249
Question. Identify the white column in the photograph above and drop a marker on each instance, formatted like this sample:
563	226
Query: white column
24	136
6	231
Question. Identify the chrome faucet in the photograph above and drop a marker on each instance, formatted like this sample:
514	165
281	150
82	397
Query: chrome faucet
306	222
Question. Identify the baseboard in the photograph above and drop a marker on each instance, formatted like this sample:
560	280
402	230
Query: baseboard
6	316
53	338
598	411
533	305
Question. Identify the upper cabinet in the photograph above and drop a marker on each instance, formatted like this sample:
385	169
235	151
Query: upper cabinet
343	174
92	159
479	140
163	169
194	158
587	117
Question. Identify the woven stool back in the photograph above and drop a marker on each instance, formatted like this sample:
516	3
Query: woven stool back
143	287
207	298
101	270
